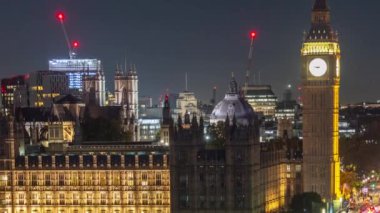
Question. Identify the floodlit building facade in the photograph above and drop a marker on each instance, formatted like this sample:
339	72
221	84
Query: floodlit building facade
261	98
85	178
76	69
320	76
227	169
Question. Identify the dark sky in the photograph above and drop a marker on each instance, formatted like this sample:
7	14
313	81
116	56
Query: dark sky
208	39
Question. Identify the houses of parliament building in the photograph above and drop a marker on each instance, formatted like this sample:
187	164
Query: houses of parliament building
221	167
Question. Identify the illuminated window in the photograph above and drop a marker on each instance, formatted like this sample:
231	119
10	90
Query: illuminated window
48	199
88	179
21	199
116	198
298	168
35	199
130	180
158	179
89	199
130	199
103	179
144	178
75	198
116	179
159	199
103	199
61	179
3	180
62	199
20	179
144	198
74	179
34	179
47	180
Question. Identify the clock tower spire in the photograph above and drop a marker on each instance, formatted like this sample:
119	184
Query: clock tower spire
320	5
320	75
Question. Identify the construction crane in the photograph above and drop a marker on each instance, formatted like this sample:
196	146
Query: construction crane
250	54
71	46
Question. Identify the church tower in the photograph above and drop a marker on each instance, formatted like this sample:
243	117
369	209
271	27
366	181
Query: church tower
320	56
98	85
133	94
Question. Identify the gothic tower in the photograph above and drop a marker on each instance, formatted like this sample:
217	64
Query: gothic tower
127	81
120	82
132	84
320	56
166	122
98	85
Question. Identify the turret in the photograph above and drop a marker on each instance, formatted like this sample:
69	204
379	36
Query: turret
167	123
166	118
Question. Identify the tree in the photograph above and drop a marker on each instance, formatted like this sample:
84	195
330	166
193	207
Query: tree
349	180
217	134
306	202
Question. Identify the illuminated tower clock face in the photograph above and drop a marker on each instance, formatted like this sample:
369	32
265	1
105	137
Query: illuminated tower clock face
318	67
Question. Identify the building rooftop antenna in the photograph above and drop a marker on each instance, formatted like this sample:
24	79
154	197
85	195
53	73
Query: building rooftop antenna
186	84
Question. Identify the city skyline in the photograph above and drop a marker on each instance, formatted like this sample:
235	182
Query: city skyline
201	38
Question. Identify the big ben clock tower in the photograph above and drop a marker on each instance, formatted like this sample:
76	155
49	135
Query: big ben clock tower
320	97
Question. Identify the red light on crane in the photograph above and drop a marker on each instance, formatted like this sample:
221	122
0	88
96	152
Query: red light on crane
253	34
60	16
75	44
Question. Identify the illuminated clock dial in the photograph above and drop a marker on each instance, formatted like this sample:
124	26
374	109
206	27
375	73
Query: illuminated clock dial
318	67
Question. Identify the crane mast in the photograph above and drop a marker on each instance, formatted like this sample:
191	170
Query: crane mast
250	54
75	44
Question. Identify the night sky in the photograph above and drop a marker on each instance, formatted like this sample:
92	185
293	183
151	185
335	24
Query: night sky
208	39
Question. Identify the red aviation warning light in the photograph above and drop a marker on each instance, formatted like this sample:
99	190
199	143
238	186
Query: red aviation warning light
253	35
60	16
71	46
75	44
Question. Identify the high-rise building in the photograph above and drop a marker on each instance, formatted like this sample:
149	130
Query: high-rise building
35	89
75	69
261	98
320	75
42	88
287	114
8	88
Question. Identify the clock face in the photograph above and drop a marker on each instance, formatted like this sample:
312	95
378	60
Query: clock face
318	67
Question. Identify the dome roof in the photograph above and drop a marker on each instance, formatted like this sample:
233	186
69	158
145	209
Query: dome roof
233	105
